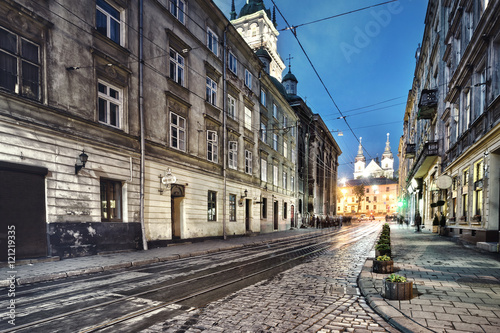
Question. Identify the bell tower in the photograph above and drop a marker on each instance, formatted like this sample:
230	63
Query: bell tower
359	162
258	28
388	160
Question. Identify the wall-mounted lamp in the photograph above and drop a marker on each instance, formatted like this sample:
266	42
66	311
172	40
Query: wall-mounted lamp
82	159
245	194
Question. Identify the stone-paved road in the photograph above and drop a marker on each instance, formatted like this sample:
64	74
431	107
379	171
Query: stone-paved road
320	295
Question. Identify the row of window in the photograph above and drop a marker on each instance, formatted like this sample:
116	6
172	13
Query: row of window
463	182
354	199
112	203
284	179
212	207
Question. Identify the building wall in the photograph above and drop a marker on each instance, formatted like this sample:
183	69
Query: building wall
457	61
384	204
50	121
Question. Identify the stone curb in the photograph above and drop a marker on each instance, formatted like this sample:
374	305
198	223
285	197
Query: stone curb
390	314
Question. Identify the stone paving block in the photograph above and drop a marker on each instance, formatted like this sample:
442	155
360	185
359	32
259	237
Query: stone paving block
423	302
482	313
422	314
490	328
464	305
474	320
466	327
410	306
454	310
434	324
494	321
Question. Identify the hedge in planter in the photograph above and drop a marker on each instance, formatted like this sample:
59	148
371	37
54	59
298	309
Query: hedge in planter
398	288
382	249
383	264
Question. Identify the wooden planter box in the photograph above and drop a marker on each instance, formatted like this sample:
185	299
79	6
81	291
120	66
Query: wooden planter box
399	290
383	266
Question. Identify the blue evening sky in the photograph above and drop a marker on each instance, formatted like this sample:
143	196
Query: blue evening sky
366	60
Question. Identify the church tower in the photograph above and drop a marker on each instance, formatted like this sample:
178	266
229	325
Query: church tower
290	82
359	162
258	29
388	160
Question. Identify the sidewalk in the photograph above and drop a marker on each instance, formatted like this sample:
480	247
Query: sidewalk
455	288
52	269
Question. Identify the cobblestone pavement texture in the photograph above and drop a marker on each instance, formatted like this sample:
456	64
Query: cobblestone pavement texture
318	296
456	288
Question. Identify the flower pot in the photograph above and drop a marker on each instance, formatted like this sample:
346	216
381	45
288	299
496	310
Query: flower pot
399	290
383	267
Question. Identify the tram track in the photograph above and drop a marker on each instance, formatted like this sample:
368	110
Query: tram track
243	266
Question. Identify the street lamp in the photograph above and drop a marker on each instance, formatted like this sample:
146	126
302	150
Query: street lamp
82	159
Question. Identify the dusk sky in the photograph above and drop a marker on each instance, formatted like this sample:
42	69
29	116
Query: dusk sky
366	60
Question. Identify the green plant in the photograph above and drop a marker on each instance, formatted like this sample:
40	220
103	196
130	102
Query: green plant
395	278
385	257
382	247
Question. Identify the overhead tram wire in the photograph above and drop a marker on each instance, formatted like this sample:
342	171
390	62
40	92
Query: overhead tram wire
317	74
334	16
150	66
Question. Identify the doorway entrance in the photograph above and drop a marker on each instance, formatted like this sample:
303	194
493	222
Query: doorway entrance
177	213
275	214
22	203
248	205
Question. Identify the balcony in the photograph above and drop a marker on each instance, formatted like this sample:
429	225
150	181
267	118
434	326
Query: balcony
410	150
428	104
425	158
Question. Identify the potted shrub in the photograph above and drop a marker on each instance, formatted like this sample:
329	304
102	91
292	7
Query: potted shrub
381	249
398	288
383	264
435	223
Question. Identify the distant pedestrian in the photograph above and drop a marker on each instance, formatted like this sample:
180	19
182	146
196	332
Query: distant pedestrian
418	221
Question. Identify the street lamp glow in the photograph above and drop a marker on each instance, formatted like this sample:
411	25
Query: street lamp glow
343	180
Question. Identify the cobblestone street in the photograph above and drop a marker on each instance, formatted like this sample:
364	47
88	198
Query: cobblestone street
318	296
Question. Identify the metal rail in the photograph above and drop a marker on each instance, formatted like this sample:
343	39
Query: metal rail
323	242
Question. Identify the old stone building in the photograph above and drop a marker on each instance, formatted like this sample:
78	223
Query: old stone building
128	124
317	158
144	102
451	137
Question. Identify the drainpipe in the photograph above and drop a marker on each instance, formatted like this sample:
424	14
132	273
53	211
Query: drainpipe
224	135
141	120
